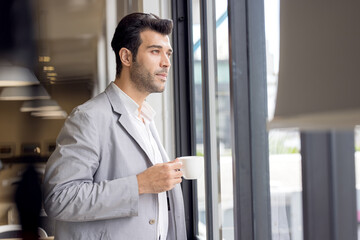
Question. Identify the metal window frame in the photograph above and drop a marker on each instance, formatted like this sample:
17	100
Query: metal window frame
184	104
328	176
248	93
211	155
248	116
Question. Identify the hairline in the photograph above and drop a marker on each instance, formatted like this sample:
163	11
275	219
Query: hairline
154	45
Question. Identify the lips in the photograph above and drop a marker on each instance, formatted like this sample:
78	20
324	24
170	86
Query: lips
163	76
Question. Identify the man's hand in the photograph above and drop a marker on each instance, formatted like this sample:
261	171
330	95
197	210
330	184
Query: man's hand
160	177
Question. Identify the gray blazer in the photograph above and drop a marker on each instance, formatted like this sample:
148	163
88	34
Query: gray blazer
90	184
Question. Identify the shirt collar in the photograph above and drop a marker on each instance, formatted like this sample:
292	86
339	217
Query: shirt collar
132	107
147	111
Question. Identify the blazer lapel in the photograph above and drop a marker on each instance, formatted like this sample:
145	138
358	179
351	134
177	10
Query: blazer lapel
124	118
125	121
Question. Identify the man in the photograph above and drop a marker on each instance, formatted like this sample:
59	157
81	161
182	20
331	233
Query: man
110	177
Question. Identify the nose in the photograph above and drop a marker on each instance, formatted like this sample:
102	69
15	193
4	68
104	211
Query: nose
165	61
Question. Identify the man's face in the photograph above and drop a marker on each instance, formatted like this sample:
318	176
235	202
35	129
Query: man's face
149	71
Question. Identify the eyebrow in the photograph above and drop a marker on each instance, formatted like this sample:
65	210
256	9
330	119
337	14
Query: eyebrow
159	46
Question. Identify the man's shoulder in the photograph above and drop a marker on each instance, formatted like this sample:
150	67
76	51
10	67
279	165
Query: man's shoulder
95	104
95	107
92	116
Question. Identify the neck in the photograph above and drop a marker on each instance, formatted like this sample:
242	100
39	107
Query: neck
125	84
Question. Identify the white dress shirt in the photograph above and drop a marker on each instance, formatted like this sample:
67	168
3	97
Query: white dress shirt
141	123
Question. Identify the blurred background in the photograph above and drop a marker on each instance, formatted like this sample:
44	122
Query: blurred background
54	55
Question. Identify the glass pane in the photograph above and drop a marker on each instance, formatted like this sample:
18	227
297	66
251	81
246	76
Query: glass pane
284	146
196	32
285	184
223	121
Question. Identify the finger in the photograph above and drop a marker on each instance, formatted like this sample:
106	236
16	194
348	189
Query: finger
175	165
176	181
177	174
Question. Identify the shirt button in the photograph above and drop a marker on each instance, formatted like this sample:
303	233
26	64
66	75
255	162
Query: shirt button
152	221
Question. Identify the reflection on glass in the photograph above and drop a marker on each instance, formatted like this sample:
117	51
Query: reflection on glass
284	146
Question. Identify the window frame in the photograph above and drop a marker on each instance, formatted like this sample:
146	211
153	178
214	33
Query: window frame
248	96
252	219
183	104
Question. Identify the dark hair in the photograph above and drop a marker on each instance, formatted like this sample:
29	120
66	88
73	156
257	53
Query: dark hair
127	33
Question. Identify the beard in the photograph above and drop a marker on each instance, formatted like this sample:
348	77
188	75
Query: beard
143	80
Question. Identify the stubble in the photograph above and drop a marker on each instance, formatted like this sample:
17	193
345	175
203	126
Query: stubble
143	80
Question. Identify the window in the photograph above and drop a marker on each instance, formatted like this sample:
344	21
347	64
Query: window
227	128
223	124
284	145
197	96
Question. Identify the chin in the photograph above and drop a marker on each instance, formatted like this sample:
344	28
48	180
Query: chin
159	90
157	87
161	87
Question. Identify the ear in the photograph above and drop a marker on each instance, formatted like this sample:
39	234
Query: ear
125	57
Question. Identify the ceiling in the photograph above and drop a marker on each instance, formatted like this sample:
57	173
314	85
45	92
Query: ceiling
67	31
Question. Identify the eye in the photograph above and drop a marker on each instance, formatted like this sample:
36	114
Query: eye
155	51
169	54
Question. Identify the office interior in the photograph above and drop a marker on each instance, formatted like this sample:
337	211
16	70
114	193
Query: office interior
264	90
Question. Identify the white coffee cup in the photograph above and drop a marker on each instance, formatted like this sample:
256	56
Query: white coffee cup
192	166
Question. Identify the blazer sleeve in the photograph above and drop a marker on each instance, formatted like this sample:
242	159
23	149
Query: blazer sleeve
70	193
